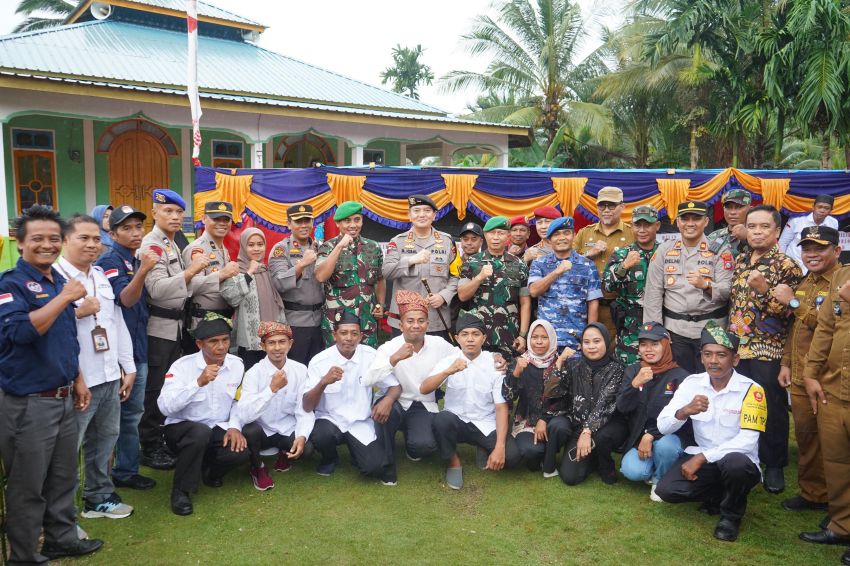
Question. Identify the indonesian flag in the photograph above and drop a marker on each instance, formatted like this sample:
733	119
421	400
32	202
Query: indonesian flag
192	80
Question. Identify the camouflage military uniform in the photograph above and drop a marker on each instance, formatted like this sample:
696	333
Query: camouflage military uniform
352	285
720	238
564	304
496	301
627	308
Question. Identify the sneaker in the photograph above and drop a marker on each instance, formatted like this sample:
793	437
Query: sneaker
326	469
654	496
389	482
261	478
411	458
551	474
454	478
111	508
282	463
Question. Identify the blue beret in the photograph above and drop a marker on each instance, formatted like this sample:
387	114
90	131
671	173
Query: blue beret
167	196
563	223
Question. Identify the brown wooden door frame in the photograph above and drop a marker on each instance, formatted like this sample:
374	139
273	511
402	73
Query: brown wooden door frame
138	163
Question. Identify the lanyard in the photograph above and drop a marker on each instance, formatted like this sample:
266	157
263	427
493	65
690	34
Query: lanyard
88	277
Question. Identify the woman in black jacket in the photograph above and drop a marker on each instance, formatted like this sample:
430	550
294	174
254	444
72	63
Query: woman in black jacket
647	388
583	395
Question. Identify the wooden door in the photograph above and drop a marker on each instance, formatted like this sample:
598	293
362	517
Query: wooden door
138	164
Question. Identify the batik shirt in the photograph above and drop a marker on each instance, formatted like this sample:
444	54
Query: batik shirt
759	320
352	286
628	284
496	301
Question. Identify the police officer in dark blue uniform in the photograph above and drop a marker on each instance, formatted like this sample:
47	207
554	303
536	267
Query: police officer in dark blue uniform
40	385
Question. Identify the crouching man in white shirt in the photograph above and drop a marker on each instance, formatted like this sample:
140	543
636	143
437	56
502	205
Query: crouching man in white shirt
728	412
343	405
475	411
201	423
271	402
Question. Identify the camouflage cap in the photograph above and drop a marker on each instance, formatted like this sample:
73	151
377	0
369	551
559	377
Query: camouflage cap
739	196
645	212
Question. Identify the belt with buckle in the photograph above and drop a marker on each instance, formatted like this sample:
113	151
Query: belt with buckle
290	306
717	313
57	393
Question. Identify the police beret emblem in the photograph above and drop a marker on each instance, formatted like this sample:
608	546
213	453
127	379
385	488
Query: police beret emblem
301	208
411	200
338	316
160	197
222	206
690	205
814	232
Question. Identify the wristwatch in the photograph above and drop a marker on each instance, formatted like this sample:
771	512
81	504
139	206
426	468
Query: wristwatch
794	303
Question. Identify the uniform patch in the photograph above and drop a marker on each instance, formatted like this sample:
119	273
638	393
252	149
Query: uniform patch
128	265
6	298
157	250
704	270
212	256
278	252
671	268
169	375
196	251
392	245
754	409
42	296
34	287
111	273
671	280
728	261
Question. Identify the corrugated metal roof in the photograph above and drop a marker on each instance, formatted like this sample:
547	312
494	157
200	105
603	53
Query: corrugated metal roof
276	103
121	52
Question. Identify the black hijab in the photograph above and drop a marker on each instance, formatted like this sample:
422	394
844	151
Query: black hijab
606	337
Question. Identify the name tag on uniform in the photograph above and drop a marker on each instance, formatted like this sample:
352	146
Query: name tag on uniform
99	339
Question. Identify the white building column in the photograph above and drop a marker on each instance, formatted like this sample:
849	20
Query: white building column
502	160
256	156
446	154
269	154
402	154
186	169
340	152
4	208
88	164
357	155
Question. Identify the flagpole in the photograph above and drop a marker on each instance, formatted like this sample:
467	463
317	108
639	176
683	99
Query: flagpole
192	80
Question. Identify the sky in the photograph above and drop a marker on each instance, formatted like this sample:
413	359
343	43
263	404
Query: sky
356	38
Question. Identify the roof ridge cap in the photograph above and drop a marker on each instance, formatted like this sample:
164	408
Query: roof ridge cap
338	74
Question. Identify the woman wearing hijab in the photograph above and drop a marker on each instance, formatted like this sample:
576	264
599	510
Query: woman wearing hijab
101	213
583	395
524	383
647	388
253	296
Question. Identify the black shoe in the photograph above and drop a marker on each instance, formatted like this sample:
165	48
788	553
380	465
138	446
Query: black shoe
824	537
211	480
609	477
774	480
799	503
157	459
76	548
135	482
845	558
709	508
824	523
726	530
181	503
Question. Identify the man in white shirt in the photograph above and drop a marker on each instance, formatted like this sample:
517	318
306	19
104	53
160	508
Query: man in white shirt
202	427
819	216
105	350
474	411
271	402
407	360
728	412
343	405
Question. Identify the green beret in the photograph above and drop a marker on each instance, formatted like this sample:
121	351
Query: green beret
497	223
346	209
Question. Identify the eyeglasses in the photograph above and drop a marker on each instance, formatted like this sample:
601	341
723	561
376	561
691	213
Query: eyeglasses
608	205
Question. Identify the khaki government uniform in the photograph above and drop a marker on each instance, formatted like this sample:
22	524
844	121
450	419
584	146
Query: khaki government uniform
208	299
811	293
622	236
409	277
829	363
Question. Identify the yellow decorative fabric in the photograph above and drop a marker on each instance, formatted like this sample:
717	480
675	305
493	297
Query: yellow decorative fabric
710	188
275	212
773	191
459	189
673	193
569	191
346	187
234	189
506	206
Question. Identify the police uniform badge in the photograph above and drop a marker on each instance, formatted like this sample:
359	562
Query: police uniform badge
411	200
159	197
278	252
222	206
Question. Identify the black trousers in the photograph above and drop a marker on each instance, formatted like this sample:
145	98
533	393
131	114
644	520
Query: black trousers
449	430
161	354
726	483
415	423
198	447
530	453
606	440
279	441
686	353
773	442
370	460
307	341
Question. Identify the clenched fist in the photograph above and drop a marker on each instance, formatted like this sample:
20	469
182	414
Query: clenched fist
279	381
199	263
308	258
88	307
457	365
334	374
253	267
228	271
423	256
564	266
402	353
632	259
345	241
757	282
699	404
643	377
147	261
73	290
208	375
486	271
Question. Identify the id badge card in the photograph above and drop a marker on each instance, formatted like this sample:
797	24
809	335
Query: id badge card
99	339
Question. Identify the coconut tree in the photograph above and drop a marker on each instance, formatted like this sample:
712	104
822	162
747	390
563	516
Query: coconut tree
41	14
534	47
407	72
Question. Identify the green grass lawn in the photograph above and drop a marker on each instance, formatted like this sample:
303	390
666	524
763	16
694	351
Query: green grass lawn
509	517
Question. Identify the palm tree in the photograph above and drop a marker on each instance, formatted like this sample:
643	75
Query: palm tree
534	46
407	71
48	14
